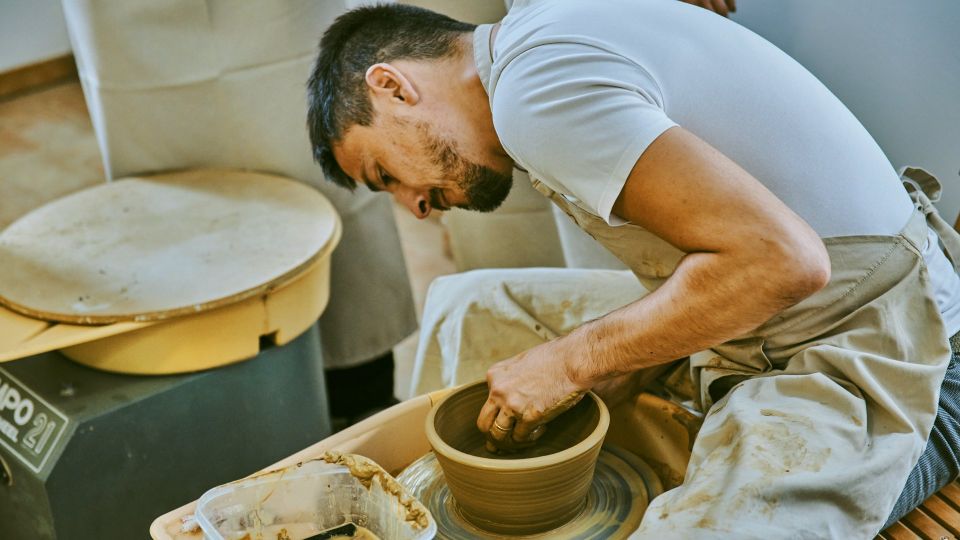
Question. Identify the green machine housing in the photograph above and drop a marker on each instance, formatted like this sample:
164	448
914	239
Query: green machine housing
87	454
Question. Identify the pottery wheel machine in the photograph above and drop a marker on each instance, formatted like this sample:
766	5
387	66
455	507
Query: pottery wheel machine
158	338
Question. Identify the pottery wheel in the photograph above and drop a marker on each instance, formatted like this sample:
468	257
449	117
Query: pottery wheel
622	487
144	249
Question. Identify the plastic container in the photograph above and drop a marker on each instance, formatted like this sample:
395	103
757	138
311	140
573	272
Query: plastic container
304	500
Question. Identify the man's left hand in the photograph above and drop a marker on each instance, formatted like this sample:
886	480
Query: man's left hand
723	7
526	392
619	389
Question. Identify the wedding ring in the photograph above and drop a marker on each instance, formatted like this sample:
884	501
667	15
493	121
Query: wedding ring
501	428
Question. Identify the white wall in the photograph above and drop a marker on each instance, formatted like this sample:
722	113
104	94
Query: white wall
895	64
31	31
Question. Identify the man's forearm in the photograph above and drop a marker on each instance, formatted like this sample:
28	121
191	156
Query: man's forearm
711	298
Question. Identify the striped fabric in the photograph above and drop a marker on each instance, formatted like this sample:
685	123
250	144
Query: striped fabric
939	464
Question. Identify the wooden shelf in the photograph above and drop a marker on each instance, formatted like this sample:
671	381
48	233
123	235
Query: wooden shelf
31	76
938	518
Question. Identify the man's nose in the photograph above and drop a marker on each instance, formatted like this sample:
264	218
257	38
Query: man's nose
415	201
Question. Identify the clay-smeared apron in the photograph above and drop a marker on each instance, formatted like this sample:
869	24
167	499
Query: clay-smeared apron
814	419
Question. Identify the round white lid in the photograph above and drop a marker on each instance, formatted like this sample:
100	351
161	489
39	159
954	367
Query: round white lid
150	248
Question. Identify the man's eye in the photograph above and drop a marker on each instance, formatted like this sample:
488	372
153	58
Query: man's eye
386	179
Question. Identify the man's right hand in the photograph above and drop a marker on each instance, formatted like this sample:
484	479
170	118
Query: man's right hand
526	392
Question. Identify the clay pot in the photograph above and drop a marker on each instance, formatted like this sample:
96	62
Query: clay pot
532	491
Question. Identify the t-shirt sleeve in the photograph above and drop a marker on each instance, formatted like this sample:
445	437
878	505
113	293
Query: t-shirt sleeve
578	118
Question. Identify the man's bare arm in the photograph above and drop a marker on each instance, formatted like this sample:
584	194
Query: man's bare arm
748	257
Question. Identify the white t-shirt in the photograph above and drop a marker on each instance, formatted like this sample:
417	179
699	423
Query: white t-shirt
579	90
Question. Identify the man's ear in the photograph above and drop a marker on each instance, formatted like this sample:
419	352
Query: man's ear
387	81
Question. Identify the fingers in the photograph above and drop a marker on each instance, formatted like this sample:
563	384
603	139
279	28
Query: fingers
488	413
497	424
509	445
525	426
723	7
720	6
706	4
528	432
503	426
505	432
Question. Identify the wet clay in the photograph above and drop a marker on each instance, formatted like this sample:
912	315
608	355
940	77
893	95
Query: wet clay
660	432
530	491
559	407
365	470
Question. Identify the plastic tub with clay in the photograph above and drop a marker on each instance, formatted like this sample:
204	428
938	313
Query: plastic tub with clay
310	498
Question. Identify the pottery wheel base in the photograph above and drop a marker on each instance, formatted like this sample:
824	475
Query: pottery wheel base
622	487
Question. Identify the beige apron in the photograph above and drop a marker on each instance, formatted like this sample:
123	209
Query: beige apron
816	417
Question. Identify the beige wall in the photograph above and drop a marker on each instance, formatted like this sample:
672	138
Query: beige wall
473	11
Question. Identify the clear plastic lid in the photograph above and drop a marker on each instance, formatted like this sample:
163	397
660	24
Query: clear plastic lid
313	497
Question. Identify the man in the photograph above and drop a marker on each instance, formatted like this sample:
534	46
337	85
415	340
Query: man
767	223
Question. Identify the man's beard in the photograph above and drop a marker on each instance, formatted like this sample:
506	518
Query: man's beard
485	188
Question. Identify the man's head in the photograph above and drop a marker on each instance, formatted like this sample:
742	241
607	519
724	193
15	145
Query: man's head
395	103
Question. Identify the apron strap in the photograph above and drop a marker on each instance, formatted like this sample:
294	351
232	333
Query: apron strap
924	189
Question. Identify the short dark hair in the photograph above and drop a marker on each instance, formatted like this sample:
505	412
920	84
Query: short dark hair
337	96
